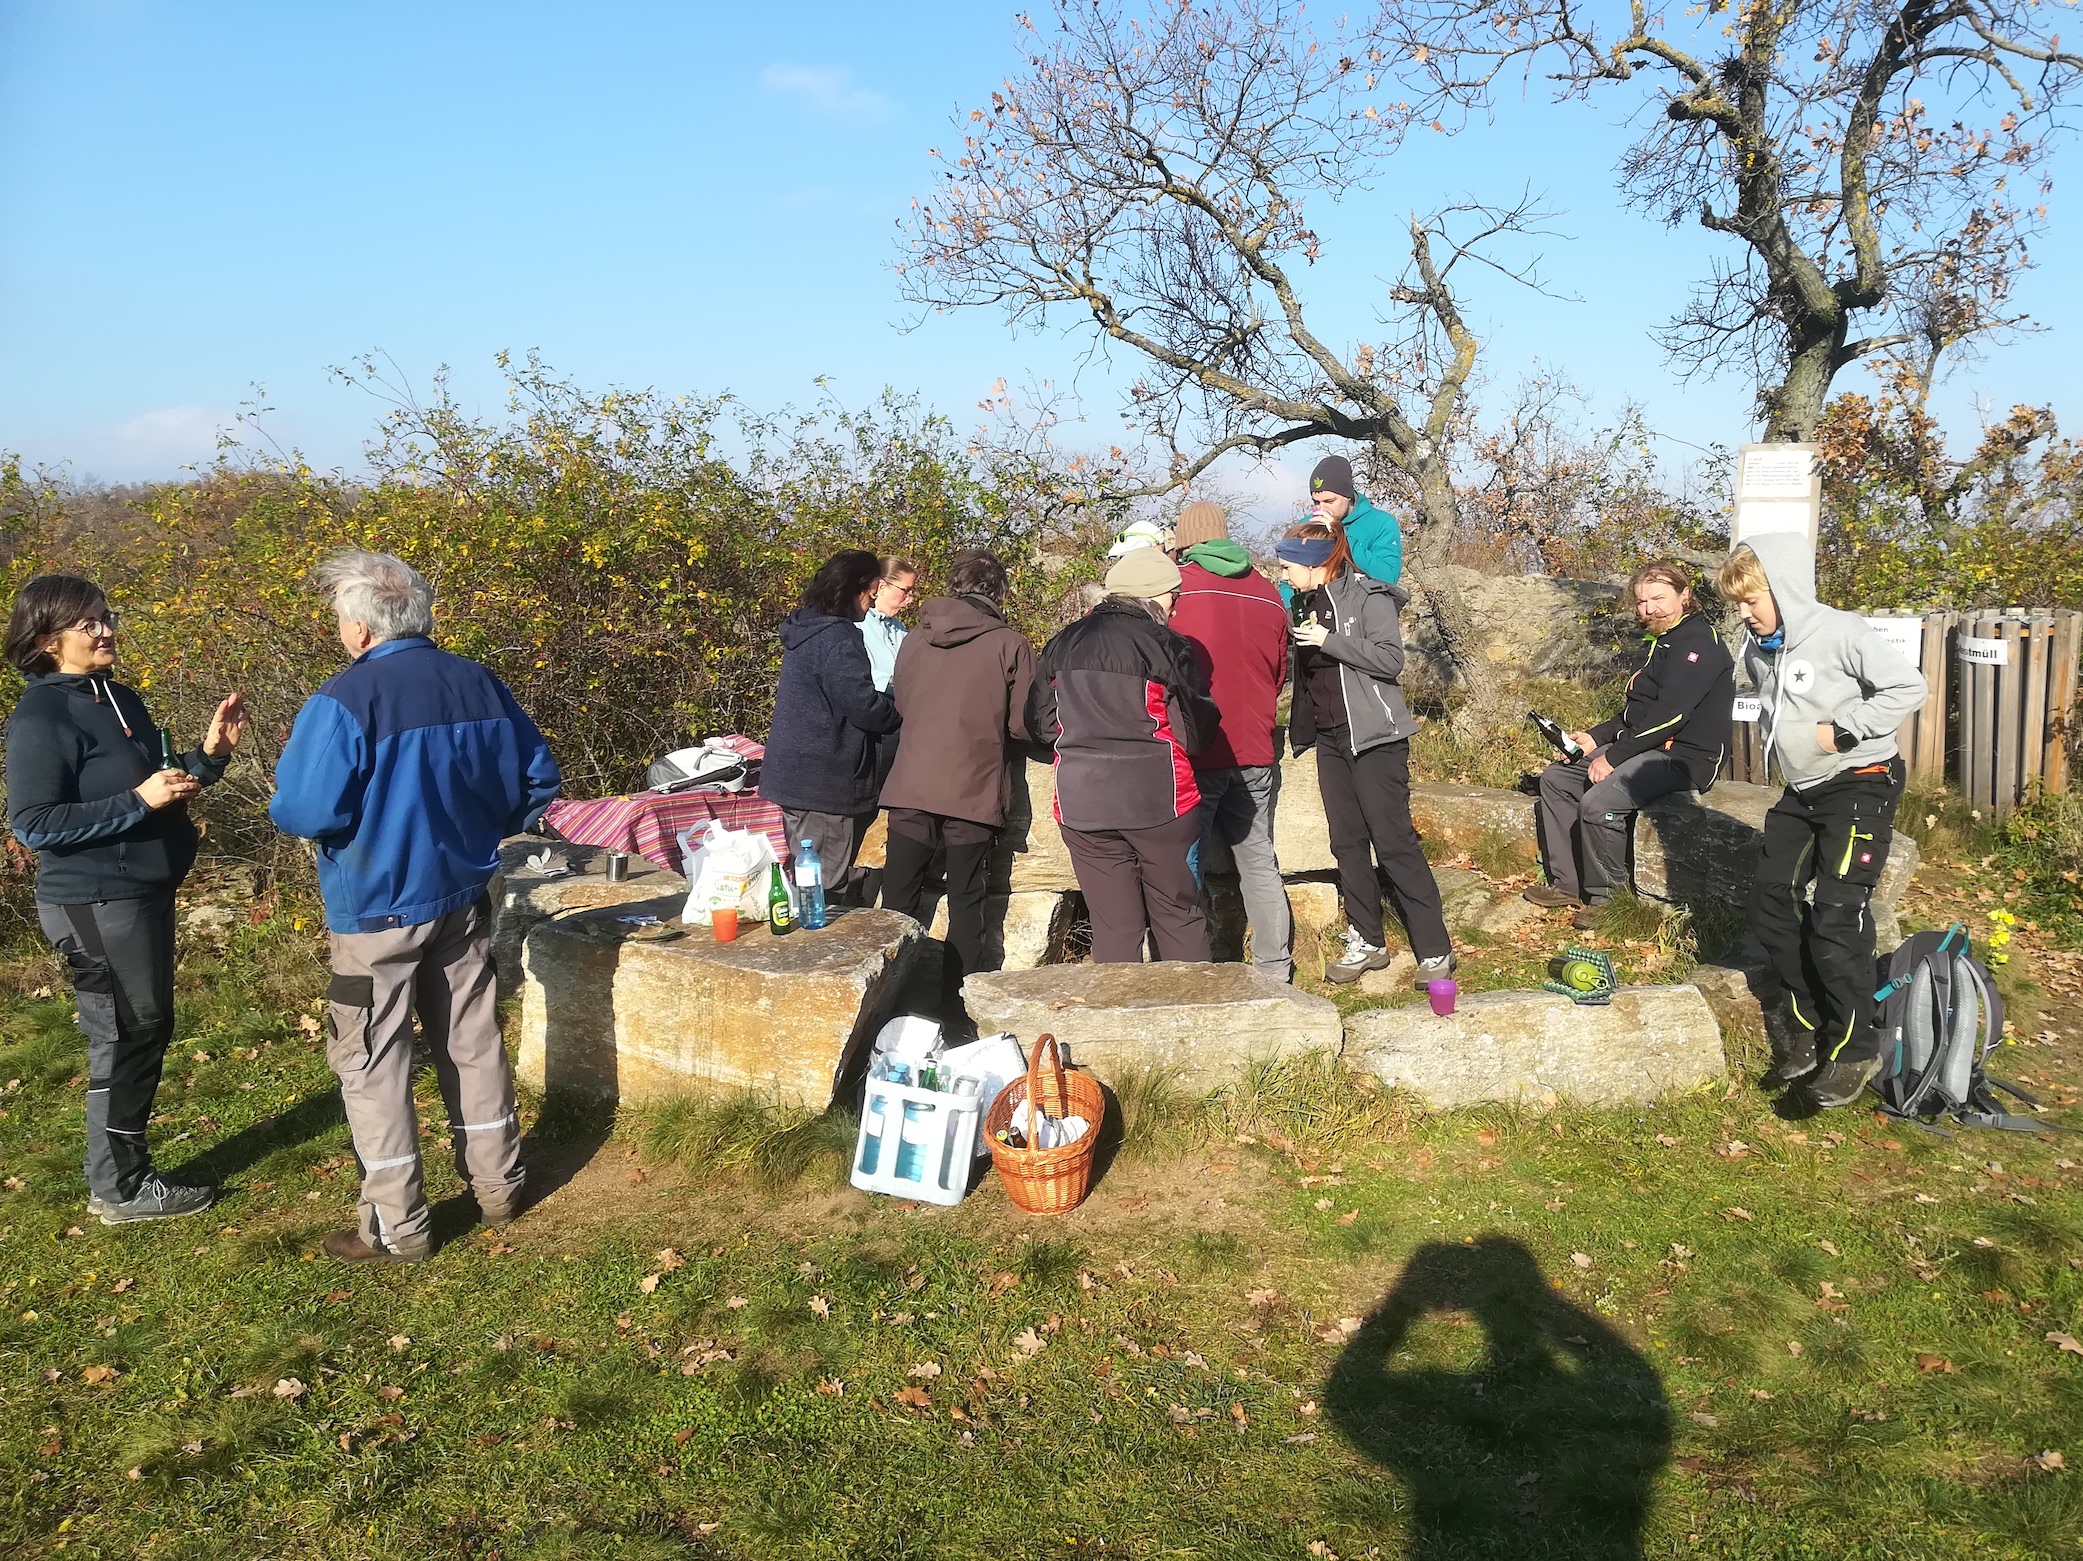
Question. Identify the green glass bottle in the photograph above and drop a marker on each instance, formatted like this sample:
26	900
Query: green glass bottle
166	752
781	917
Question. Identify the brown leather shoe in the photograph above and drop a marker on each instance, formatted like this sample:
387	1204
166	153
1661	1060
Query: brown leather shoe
348	1247
1549	898
1586	919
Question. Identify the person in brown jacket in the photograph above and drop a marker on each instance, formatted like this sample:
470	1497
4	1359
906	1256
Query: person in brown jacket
961	684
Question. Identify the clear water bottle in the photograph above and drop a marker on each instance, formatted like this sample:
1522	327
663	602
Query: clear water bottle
810	885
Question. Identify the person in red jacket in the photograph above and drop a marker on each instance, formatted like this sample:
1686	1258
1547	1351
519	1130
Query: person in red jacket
1234	619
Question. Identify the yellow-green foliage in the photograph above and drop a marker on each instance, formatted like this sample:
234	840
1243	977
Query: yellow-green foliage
600	553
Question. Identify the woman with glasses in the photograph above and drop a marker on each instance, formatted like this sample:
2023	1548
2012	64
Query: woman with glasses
89	790
882	627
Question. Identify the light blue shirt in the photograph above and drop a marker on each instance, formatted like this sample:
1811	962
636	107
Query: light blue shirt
884	635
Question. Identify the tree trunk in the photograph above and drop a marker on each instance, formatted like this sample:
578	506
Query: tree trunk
1794	406
1439	517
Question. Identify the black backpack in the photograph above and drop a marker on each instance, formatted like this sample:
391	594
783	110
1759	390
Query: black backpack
1939	1018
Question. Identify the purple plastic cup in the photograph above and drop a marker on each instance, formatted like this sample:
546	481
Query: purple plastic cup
1442	992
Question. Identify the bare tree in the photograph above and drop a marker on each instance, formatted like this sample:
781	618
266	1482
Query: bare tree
1149	171
1841	142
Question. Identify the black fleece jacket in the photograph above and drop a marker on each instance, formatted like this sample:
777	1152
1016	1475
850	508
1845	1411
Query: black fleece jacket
78	747
1681	700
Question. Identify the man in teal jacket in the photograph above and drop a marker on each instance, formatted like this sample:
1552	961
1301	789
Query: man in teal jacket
1374	535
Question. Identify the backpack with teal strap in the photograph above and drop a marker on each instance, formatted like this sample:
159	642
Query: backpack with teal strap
1939	1018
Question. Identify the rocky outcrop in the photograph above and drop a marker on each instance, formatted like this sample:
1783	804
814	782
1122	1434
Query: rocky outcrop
605	1015
1538	1048
1530	626
1198	1024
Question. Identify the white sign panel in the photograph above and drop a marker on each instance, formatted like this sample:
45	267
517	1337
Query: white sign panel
1774	517
1776	471
1747	708
1987	653
1905	634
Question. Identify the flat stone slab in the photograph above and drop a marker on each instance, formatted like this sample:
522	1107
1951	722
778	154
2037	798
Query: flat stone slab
1538	1048
603	1015
1200	1024
1021	931
523	897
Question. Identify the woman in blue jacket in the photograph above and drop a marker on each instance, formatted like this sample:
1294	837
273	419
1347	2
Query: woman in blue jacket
88	792
820	768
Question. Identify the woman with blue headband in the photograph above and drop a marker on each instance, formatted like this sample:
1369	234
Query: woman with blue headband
1347	705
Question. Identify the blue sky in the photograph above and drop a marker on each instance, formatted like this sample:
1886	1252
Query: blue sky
696	198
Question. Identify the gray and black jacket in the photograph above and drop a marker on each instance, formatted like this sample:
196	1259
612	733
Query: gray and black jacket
1365	618
1833	668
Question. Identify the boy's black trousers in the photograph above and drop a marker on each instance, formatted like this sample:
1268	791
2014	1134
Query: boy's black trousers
1835	835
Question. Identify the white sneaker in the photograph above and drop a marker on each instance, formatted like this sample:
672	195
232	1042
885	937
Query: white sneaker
1360	957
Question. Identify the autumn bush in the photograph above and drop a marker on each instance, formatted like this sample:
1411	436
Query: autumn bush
622	560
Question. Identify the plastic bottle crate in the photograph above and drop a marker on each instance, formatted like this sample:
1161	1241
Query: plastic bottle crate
916	1143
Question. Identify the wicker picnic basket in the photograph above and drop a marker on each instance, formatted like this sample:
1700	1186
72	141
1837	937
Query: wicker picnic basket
1047	1181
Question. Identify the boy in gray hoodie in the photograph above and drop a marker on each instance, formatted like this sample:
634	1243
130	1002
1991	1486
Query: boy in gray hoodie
1833	692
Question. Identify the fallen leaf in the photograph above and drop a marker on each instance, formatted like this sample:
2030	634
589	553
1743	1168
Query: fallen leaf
1323	1204
832	1387
99	1374
668	1259
1347	1218
1701	1417
1029	1342
1761	1395
2066	1342
1262	1300
821	1306
649	1283
1734	1149
389	1394
1793	1349
736	1301
1180	1414
1486	1138
1738	1214
400	1342
1668	1141
1580	1260
122	1285
915	1398
1002	1282
928	1369
1680	1253
1238	1416
1936	1363
289	1387
2050	1461
635	1175
1830	1247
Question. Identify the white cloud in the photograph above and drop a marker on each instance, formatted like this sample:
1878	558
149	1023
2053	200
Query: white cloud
826	89
153	445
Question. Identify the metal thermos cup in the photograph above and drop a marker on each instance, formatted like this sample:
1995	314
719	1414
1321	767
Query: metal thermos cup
617	866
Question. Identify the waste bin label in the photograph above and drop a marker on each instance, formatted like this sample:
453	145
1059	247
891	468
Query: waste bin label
1748	709
1988	653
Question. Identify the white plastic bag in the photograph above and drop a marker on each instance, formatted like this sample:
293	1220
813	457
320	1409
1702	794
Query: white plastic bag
729	867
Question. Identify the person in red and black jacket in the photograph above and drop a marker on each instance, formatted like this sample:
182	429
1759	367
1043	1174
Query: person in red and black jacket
1123	701
1670	735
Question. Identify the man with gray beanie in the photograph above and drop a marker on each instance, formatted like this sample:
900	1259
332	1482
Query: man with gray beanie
1122	700
408	769
1373	536
1234	619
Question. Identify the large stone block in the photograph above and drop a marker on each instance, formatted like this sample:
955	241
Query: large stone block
522	897
1198	1023
1540	1048
1030	856
602	1015
1313	905
1698	849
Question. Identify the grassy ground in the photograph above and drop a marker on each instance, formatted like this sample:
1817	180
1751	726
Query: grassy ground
1303	1321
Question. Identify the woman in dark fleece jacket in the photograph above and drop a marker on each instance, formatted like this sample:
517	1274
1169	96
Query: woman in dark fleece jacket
88	792
1122	698
820	766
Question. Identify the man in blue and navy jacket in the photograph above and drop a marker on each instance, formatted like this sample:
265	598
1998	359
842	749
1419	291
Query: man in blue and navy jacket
408	769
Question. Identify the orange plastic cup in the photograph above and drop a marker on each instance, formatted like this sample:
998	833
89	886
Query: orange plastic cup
723	921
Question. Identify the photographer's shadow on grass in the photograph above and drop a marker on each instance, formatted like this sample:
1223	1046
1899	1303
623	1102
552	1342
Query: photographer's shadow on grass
1548	1445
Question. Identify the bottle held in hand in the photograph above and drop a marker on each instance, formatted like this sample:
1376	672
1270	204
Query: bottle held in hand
1555	734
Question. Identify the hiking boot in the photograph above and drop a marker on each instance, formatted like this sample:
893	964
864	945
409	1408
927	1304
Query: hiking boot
1841	1083
1360	957
1797	1060
348	1247
1586	919
156	1198
1549	898
1438	968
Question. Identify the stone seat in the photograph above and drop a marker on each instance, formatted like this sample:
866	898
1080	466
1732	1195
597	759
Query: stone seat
1540	1048
606	1016
1200	1024
523	896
